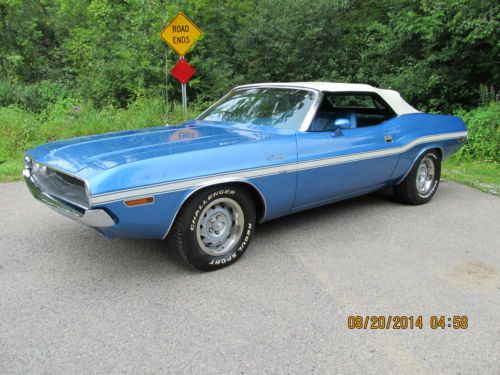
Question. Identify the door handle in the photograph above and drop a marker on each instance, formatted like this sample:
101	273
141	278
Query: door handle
388	138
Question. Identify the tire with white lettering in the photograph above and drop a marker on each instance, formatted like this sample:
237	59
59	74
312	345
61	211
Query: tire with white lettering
423	180
214	227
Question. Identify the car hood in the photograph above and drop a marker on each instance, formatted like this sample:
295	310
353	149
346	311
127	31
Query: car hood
107	151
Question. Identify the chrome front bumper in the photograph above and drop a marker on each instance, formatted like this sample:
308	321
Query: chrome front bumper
95	218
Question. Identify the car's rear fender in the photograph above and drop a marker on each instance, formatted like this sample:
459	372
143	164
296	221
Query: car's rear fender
420	132
417	156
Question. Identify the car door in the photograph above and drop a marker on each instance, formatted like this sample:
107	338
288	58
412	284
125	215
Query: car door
339	163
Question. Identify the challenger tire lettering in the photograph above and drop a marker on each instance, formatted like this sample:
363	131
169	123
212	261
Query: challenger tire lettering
215	194
247	237
240	248
211	218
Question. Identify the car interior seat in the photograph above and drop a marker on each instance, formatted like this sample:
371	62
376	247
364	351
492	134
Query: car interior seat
325	121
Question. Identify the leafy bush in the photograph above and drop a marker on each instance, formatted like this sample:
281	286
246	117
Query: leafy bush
33	97
17	131
7	95
483	124
436	53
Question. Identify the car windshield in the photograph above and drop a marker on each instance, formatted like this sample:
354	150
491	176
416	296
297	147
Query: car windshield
282	108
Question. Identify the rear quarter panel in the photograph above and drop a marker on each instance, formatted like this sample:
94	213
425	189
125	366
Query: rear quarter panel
419	128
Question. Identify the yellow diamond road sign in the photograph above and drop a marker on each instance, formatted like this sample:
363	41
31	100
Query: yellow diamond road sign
180	34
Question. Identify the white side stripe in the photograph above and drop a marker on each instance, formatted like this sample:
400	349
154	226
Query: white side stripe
378	153
180	185
266	171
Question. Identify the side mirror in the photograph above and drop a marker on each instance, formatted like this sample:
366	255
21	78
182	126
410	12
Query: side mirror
342	123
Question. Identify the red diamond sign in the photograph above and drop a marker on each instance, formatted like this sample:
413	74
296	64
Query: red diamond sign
182	71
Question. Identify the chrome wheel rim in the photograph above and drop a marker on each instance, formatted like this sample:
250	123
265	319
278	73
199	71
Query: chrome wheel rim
425	175
220	226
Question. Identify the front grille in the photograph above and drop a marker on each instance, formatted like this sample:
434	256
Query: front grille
60	185
70	179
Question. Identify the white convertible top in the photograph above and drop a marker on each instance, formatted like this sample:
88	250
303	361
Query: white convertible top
393	98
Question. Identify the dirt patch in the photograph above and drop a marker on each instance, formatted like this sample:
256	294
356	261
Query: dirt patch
474	274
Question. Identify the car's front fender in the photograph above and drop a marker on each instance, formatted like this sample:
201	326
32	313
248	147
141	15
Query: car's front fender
273	194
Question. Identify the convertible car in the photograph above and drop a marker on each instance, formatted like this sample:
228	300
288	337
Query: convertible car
261	152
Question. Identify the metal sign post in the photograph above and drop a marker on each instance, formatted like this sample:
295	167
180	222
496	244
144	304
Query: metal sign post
183	72
184	101
181	34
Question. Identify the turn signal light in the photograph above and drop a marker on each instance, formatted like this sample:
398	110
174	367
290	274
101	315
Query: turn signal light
138	202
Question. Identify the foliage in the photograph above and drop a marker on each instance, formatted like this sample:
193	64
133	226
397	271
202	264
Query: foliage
439	53
483	125
477	163
35	96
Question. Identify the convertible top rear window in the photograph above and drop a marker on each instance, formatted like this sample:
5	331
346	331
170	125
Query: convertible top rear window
283	108
352	101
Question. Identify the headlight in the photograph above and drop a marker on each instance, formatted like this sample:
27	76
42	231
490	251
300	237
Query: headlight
27	166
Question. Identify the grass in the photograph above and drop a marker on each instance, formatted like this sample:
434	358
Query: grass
10	170
481	175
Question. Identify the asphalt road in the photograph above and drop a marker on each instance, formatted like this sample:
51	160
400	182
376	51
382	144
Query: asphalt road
73	302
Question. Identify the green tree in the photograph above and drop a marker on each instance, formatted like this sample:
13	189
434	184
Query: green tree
438	53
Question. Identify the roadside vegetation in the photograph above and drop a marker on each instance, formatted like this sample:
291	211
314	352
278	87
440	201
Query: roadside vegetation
481	175
21	130
77	67
477	164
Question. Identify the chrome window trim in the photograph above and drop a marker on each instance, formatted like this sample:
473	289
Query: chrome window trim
306	123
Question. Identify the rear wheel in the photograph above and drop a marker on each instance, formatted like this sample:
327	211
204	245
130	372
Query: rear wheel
214	228
423	180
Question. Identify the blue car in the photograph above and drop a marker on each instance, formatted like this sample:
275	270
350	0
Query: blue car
261	152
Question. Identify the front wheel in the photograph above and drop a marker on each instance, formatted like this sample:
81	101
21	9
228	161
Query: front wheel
423	180
214	228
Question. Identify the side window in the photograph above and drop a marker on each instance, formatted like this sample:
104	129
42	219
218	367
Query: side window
358	110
